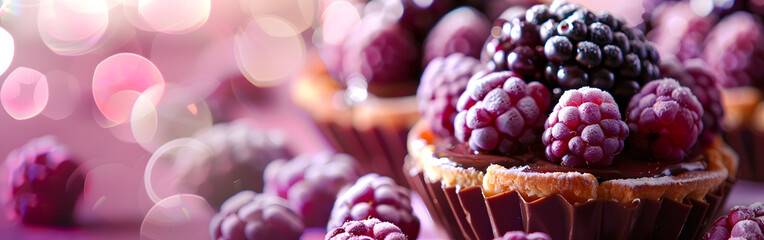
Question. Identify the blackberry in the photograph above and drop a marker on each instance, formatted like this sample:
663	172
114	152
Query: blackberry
369	229
743	222
310	183
43	182
248	215
695	74
443	81
571	40
239	154
584	129
665	120
501	113
735	50
462	30
374	196
520	235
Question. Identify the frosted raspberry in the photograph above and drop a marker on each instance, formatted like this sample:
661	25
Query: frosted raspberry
418	17
372	229
735	50
694	73
462	30
382	53
443	81
743	222
679	31
43	184
248	215
311	183
238	156
584	129
520	235
499	112
374	196
665	119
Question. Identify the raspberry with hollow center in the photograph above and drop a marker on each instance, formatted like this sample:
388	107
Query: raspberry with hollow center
249	215
43	182
584	129
442	82
499	112
371	229
665	119
311	183
375	196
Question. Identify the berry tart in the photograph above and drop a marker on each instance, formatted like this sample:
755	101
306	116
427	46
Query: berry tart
596	148
43	183
362	94
238	155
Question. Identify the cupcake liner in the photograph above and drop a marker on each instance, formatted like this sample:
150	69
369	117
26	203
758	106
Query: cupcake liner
480	217
748	142
442	217
378	149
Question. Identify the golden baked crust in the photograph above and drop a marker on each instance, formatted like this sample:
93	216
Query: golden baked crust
575	187
739	105
322	97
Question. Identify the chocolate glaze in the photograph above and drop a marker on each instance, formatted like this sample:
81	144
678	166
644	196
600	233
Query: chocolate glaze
625	165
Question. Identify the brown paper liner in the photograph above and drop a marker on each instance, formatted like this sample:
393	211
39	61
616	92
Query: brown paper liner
378	149
478	217
749	145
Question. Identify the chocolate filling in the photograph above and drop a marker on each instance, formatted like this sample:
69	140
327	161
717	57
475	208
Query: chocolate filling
628	164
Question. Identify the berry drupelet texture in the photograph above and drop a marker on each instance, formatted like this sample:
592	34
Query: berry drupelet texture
462	30
443	81
695	74
382	53
520	235
368	229
735	51
665	120
374	196
566	46
743	222
310	183
248	215
43	183
584	129
501	113
238	154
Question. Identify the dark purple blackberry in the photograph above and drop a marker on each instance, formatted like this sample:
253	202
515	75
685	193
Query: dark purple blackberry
677	30
735	50
371	229
520	235
501	113
374	196
665	120
236	161
310	183
43	183
584	129
382	53
249	215
443	81
695	74
571	44
462	30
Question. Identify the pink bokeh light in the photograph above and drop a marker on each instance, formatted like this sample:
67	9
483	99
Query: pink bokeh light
120	79
24	93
